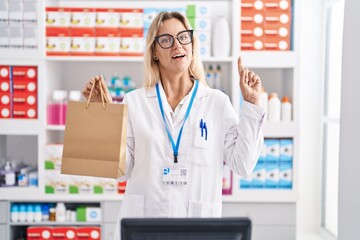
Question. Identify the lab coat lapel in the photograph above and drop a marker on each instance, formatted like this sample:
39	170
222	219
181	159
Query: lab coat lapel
166	107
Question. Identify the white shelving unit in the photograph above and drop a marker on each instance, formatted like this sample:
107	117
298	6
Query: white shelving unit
278	70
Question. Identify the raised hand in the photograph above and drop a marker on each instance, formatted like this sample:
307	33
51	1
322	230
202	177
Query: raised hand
96	95
250	84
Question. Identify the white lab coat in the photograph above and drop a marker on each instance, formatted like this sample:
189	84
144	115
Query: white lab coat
237	142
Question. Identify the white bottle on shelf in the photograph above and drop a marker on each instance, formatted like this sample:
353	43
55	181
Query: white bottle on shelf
286	108
274	107
60	212
264	99
221	38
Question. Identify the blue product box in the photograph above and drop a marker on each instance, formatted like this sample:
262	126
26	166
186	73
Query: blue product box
286	150
273	150
258	176
149	16
245	182
272	175
285	175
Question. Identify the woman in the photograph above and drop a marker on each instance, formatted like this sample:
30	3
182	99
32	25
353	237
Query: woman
180	132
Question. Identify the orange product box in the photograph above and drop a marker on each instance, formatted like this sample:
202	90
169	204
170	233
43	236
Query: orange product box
58	17
88	233
252	29
131	18
83	17
64	233
277	5
107	42
107	17
252	16
58	41
277	29
252	43
39	233
275	43
4	72
252	4
82	41
278	17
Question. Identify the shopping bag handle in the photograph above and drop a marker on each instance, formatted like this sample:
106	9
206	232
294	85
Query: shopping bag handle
103	99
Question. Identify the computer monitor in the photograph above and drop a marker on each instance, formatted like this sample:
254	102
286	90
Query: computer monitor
186	229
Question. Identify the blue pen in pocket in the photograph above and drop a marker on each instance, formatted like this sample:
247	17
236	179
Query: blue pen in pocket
202	128
206	132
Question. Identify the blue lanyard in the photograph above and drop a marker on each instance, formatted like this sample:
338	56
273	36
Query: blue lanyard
176	147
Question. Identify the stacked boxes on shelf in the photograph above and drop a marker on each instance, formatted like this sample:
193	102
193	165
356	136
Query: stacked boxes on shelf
94	31
18	92
199	16
274	167
18	24
69	233
57	183
266	25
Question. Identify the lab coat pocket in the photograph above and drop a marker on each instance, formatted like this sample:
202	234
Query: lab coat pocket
202	138
132	206
198	209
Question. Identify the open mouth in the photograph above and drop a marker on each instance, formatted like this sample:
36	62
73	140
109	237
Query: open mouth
178	56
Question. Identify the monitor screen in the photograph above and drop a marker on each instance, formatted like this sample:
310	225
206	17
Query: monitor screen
186	229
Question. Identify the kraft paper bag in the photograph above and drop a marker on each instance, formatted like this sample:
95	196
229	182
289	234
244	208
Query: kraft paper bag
95	139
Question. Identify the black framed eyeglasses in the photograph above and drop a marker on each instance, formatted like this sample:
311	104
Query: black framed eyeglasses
167	41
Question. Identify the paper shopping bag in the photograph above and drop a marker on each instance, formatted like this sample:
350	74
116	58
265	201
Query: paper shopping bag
95	139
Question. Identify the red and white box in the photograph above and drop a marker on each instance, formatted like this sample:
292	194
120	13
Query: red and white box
5	92
58	17
251	29
64	233
252	43
131	43
39	233
131	18
58	41
252	5
88	233
276	44
24	90
107	42
82	41
83	17
107	18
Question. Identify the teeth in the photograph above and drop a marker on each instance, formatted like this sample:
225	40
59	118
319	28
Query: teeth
178	55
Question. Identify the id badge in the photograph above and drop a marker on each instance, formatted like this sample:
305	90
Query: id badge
174	175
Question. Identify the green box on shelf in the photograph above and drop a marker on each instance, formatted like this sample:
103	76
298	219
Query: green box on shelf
192	22
49	165
81	214
98	189
190	11
73	189
49	190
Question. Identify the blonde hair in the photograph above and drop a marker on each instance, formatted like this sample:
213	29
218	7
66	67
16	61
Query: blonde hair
151	67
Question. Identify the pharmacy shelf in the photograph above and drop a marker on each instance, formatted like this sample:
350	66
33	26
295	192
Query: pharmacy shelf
262	196
269	59
20	55
20	126
280	129
35	195
122	59
19	193
50	223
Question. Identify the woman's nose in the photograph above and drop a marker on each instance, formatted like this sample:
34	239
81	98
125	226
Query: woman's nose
177	43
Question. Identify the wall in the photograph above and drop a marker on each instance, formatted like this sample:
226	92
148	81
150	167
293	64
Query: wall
311	29
349	191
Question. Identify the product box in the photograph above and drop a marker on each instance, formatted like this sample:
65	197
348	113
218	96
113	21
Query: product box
204	38
121	187
202	24
276	44
131	46
15	11
272	175
39	233
89	233
252	5
30	36
285	175
53	154
251	43
105	186
259	176
4	12
81	214
58	17
4	36
278	17
82	41
107	42
58	41
107	18
56	183
198	10
29	11
5	92
82	17
64	233
286	150
277	5
249	29
24	105
16	36
93	214
205	50
245	182
273	150
149	15
131	18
